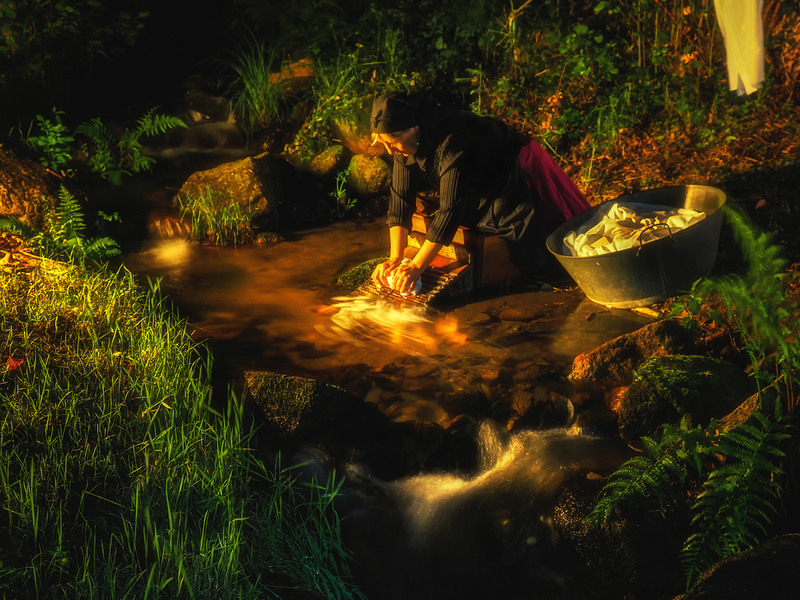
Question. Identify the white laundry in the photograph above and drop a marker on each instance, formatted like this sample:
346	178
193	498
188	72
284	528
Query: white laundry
623	225
415	289
742	27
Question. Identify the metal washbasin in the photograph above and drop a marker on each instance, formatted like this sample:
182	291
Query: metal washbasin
653	271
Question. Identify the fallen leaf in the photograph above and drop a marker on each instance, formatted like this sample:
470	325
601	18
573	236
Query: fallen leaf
14	363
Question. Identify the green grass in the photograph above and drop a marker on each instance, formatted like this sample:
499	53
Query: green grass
259	101
218	222
117	479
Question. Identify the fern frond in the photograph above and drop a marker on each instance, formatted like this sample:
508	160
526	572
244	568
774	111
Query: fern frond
16	226
738	497
154	124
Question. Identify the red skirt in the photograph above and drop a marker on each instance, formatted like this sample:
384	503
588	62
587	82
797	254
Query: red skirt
559	198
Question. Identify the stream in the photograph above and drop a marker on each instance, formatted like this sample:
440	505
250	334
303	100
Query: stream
276	308
437	535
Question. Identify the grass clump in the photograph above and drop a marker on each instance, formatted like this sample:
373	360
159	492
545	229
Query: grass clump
117	477
218	221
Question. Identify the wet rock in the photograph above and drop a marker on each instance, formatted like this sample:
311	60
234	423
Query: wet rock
767	571
637	558
330	161
295	76
672	387
541	413
27	191
302	412
519	314
473	403
369	175
252	182
206	105
617	359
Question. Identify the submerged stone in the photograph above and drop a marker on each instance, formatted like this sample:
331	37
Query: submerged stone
297	406
252	182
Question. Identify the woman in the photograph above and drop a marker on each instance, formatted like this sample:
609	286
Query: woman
489	179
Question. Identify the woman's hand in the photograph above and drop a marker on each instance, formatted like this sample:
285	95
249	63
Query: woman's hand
405	276
383	270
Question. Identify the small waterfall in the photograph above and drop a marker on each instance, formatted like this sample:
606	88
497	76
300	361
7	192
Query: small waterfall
490	535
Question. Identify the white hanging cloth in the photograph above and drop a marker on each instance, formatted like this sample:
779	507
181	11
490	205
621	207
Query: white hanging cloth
743	30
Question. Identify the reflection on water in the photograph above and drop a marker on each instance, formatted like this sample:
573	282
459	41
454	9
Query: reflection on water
275	307
362	320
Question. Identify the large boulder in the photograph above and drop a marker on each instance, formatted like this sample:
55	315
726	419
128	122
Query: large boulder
618	359
252	182
27	191
669	388
369	175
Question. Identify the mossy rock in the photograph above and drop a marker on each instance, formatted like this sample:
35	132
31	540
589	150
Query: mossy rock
330	161
669	388
369	175
297	406
353	278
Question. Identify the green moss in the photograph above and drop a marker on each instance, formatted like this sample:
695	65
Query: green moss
296	405
670	387
360	274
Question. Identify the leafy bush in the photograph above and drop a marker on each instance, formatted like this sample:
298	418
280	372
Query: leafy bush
115	158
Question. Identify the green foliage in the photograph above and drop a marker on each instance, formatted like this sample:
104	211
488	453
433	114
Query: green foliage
218	221
119	480
337	94
66	236
648	482
115	158
258	101
734	506
739	485
343	204
757	306
53	144
738	467
33	32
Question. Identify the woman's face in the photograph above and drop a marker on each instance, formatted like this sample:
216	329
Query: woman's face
403	142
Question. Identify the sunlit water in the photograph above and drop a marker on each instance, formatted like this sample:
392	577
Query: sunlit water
276	308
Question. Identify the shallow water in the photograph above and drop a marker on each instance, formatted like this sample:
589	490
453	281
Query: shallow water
272	308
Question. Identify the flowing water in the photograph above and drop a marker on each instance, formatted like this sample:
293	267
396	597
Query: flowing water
276	308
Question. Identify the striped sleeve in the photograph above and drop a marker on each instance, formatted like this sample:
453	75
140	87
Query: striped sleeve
451	199
403	195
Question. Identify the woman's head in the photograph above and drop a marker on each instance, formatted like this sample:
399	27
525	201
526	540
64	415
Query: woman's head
393	112
395	123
